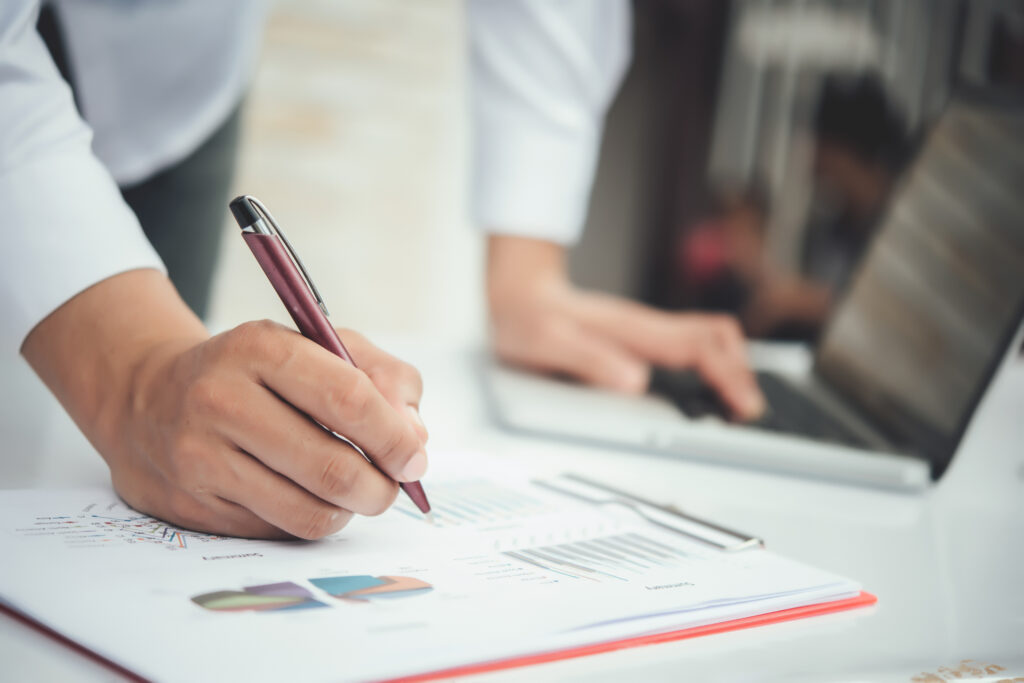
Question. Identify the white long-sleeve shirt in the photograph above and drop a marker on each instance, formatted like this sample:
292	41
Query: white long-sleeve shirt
154	79
542	75
64	224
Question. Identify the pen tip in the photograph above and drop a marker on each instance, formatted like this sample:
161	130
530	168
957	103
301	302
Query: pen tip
429	516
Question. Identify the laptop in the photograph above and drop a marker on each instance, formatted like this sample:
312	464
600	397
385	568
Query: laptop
904	360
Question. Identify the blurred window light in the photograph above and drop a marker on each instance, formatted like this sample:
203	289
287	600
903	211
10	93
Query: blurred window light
819	37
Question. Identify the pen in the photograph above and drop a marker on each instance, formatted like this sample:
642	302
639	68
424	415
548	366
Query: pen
291	281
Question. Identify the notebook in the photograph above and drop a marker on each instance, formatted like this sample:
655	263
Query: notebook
515	570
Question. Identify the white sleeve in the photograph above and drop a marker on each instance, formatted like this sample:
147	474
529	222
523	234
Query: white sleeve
64	224
542	75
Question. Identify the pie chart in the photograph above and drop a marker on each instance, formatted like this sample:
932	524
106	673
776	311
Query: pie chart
366	588
271	597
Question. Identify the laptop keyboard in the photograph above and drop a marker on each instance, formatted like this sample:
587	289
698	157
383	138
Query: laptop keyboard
789	410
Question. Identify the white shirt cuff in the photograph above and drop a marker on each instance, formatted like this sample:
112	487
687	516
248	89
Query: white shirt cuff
532	180
71	230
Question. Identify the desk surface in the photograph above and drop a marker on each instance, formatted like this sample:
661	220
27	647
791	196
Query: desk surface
946	564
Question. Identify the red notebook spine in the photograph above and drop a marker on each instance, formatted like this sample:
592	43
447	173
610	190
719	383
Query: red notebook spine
862	600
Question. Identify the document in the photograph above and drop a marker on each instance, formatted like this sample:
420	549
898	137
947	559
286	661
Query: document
509	568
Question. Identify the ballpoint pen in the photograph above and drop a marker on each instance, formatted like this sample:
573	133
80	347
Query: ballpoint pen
291	281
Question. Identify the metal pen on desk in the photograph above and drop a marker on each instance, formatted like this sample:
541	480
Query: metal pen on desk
292	282
667	517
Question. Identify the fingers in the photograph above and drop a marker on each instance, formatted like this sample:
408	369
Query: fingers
732	381
215	515
713	344
345	400
562	347
399	382
279	502
666	339
398	379
293	446
203	512
611	342
225	434
728	334
302	481
236	520
718	350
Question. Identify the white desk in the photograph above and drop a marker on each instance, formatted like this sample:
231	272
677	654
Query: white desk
946	565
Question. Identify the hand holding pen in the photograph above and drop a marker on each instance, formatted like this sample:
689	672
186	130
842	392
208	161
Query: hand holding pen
299	294
223	434
228	434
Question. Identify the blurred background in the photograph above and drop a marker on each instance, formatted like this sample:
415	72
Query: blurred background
745	162
755	143
744	165
354	136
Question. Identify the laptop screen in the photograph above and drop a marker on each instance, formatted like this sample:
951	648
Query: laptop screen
941	290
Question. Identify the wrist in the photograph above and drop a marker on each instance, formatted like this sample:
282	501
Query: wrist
95	351
522	268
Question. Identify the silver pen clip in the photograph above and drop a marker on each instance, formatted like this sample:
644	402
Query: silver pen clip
265	212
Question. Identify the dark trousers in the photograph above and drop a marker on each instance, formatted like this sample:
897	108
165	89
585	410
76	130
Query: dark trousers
182	208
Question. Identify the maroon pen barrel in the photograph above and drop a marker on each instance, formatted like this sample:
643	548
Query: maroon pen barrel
305	311
414	490
294	292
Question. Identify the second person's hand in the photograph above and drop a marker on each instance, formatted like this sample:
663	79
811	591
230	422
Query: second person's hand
542	322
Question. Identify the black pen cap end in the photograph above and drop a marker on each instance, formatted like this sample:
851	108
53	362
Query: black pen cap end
243	211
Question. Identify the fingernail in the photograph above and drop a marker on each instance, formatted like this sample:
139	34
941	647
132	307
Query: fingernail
754	405
634	379
415	415
416	467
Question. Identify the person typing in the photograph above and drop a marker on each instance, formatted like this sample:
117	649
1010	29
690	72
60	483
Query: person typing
542	77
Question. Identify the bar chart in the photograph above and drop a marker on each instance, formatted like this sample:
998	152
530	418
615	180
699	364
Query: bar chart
619	557
476	502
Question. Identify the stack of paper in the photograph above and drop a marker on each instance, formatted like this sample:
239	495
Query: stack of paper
510	568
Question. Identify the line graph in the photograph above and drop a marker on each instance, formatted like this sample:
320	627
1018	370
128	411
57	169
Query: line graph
99	525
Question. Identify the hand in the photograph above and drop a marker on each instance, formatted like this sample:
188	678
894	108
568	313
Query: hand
218	434
544	323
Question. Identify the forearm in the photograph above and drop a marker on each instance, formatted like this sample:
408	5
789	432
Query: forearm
92	349
522	272
517	263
